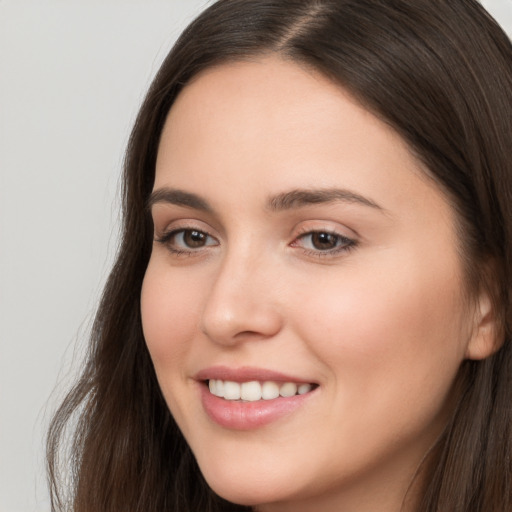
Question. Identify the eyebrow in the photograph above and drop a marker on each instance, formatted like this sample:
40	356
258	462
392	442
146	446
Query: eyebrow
179	198
293	199
299	198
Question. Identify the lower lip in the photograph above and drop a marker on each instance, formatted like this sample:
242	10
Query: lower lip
237	415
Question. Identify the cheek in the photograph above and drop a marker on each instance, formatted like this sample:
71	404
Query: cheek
169	318
389	336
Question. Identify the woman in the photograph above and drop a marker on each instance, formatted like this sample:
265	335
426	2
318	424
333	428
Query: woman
310	306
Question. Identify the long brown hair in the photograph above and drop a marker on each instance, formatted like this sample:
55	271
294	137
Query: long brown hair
440	73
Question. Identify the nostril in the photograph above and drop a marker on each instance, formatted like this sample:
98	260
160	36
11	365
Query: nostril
239	309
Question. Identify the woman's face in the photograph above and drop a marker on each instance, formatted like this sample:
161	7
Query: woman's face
299	248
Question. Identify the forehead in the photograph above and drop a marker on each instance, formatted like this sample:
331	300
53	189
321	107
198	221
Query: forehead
269	125
269	93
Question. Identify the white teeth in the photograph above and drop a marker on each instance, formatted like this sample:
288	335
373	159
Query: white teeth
216	387
269	390
250	391
231	390
288	389
253	391
303	389
219	388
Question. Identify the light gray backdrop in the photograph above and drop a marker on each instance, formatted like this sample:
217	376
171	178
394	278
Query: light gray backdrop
72	75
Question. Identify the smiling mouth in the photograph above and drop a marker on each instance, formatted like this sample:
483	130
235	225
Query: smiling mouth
252	391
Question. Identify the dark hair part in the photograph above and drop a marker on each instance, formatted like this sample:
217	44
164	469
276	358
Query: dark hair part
440	73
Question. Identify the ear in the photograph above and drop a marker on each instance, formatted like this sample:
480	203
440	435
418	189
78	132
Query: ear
487	337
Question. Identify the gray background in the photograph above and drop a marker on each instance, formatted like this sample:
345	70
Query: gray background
72	75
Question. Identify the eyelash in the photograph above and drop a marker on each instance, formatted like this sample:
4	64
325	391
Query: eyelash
167	237
342	243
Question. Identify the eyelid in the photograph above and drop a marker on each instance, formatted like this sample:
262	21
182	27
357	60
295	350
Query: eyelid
345	242
328	225
175	228
167	224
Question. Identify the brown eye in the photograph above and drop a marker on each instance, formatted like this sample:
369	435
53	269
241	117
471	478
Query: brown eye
181	241
324	241
194	239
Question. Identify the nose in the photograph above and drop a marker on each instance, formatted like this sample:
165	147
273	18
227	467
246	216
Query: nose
242	303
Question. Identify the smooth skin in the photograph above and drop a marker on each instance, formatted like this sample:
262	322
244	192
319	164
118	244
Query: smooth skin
362	292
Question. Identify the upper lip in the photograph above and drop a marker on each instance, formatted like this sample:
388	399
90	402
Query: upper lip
247	374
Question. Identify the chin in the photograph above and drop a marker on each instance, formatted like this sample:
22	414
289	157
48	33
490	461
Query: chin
245	489
242	493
